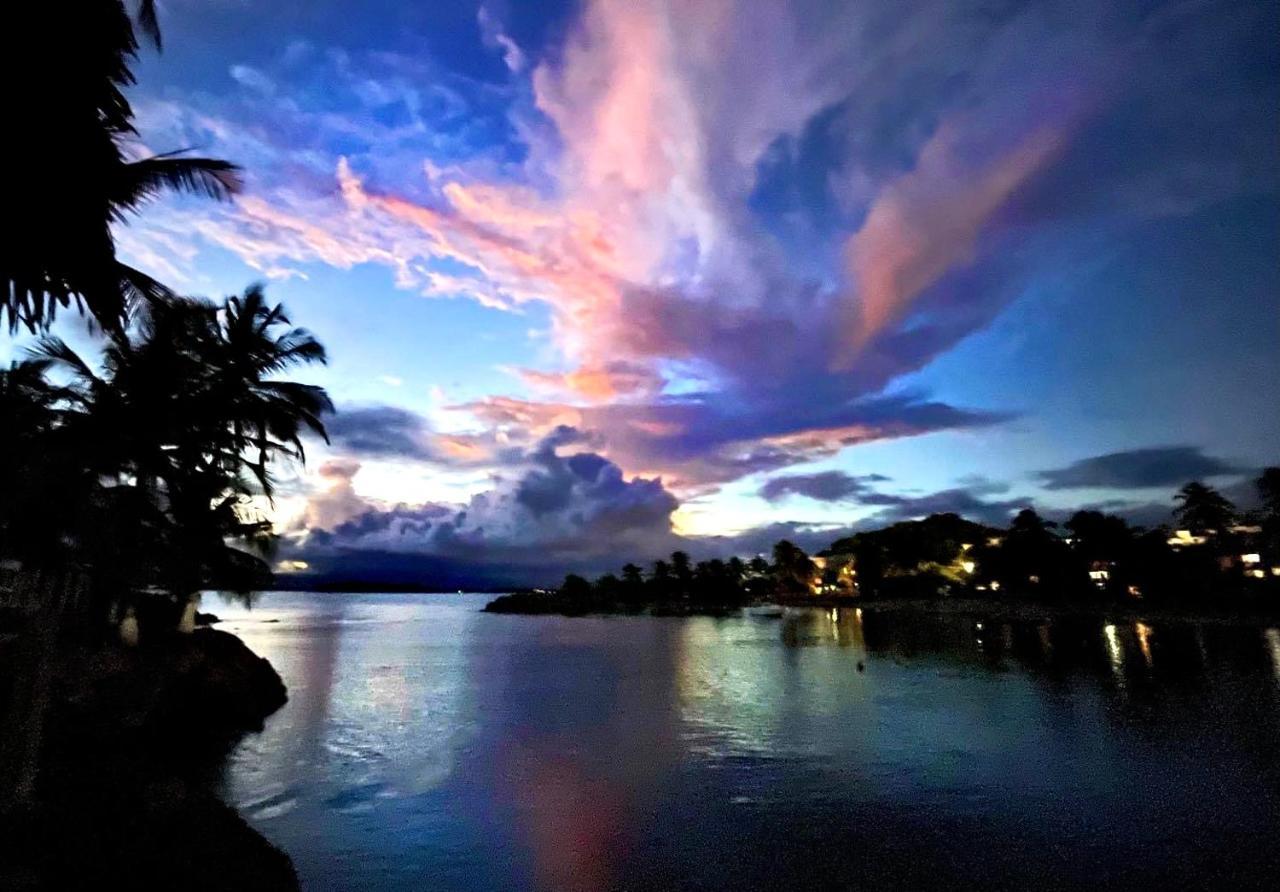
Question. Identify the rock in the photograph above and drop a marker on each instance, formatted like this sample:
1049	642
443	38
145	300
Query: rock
131	740
207	619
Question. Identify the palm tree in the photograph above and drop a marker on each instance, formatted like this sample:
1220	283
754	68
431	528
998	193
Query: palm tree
682	569
660	580
187	408
792	568
255	341
69	179
1268	486
1202	508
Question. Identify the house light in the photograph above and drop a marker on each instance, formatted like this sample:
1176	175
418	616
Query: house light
1253	558
1033	579
1275	571
965	546
968	566
994	541
995	585
1186	537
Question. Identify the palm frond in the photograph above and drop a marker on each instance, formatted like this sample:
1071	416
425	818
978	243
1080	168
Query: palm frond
143	180
57	353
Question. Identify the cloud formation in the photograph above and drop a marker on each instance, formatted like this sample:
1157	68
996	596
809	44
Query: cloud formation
1138	469
746	220
380	432
548	509
825	486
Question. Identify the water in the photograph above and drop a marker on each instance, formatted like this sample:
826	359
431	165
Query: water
428	745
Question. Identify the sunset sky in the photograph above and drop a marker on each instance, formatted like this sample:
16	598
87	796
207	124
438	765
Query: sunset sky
602	279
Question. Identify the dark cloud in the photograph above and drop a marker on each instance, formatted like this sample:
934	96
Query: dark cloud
380	431
1138	469
969	502
826	486
552	511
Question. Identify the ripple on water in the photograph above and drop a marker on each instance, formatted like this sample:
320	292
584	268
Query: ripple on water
359	798
271	806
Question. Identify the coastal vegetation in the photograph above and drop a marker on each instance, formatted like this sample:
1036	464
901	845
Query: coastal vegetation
1212	556
132	478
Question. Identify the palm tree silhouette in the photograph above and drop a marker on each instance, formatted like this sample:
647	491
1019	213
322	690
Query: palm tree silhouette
188	411
1202	508
69	177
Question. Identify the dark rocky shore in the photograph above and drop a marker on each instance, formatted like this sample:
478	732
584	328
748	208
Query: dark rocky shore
132	740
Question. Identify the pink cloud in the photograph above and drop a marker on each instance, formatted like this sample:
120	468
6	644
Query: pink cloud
928	222
637	231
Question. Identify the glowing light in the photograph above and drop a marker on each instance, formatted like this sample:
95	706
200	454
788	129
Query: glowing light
1114	652
1144	640
1186	537
968	566
1250	559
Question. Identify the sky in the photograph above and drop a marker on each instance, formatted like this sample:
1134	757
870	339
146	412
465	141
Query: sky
601	279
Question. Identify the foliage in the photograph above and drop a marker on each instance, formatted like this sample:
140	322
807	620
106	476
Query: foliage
67	156
1202	508
1092	555
143	467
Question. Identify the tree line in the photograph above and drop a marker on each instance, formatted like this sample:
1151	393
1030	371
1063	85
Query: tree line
1213	553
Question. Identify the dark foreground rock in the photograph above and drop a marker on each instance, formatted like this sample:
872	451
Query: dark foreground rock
132	739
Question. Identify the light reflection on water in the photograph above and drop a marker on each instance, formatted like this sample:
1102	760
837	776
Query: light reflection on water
426	744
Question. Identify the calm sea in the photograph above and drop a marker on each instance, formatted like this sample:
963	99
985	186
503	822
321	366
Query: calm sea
427	745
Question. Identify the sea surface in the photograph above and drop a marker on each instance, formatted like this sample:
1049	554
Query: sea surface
427	745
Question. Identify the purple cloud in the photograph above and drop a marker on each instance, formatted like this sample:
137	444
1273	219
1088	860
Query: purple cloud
1139	469
826	486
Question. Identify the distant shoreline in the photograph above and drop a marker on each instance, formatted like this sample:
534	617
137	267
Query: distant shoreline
537	604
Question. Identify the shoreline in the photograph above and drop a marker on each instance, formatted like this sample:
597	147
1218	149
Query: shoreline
527	604
132	738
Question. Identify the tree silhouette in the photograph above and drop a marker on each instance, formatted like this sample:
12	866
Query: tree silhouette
682	570
792	568
660	582
66	158
186	411
1202	508
1268	486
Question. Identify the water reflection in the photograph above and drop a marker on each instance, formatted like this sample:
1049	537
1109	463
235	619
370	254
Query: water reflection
427	744
1273	644
1143	632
